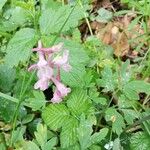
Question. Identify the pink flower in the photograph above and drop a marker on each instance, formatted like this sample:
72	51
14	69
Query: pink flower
55	48
63	61
41	84
45	70
56	97
61	87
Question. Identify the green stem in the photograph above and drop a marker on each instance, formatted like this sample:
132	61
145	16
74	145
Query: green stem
86	18
20	102
54	40
9	97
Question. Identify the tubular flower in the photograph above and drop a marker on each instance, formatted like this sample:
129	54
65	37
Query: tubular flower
45	69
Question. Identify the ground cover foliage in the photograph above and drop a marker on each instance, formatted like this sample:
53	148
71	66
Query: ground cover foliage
89	87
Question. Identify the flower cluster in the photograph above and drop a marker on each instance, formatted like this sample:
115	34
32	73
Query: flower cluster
49	59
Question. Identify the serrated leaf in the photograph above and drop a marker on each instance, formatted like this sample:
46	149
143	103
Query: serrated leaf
2	3
77	59
140	141
84	133
19	47
50	144
68	136
117	144
7	76
98	137
133	88
130	115
30	146
55	115
41	135
37	102
140	86
107	80
117	120
125	72
104	15
28	118
9	106
18	16
52	20
79	102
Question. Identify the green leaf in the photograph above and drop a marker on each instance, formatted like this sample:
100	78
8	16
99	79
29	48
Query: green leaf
79	102
50	144
30	146
18	16
107	80
77	59
37	102
140	141
98	137
68	136
17	135
7	77
50	4
104	15
28	118
140	86
117	144
2	3
125	72
84	133
117	120
9	106
20	47
52	20
41	135
130	115
133	88
55	115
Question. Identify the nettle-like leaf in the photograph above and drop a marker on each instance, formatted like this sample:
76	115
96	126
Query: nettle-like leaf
130	115
78	58
84	132
37	102
86	139
52	20
104	15
107	81
133	88
7	77
50	144
29	145
18	16
2	3
98	137
6	110
117	120
19	47
49	4
125	73
79	102
41	135
55	115
68	136
140	141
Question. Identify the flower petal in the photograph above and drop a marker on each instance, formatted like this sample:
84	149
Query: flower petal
45	72
61	87
41	84
56	97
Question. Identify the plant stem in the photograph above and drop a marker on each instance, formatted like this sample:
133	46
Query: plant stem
54	40
19	103
86	19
